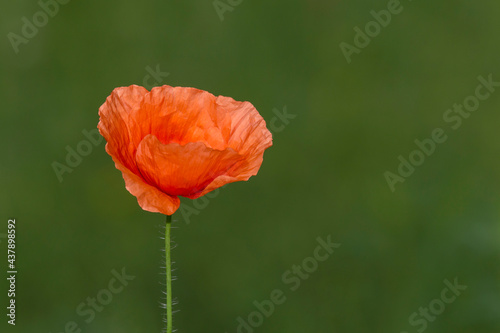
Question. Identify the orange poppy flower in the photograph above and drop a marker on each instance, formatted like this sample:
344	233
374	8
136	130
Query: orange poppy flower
176	141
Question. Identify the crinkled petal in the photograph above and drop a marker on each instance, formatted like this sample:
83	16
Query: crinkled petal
117	120
182	169
182	115
149	197
249	136
241	171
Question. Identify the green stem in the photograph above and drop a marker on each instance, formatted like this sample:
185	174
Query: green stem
169	274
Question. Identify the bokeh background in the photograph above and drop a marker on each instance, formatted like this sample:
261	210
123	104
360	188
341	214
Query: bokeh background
323	176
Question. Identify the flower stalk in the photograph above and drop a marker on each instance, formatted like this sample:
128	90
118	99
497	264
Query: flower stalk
168	275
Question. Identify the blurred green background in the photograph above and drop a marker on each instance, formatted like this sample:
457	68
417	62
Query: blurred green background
323	176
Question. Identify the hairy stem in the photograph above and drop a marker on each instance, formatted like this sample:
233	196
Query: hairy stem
169	274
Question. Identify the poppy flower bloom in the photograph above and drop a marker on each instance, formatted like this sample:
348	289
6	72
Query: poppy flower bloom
176	141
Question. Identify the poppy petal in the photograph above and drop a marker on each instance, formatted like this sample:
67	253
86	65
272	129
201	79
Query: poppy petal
249	136
116	119
248	129
182	169
182	115
148	197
